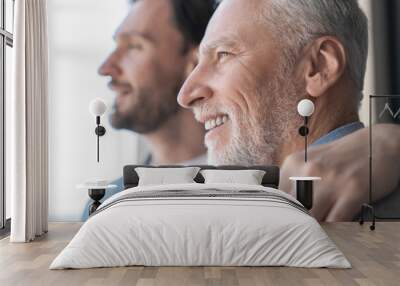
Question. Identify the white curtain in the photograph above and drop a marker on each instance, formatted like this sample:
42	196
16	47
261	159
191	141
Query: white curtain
27	123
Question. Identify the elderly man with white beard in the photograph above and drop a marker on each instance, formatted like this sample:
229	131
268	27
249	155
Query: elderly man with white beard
258	59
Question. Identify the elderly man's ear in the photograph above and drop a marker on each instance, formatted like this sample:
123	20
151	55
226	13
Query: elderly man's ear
192	60
325	63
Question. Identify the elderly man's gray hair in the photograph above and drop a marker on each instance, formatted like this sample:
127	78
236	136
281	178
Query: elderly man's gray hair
297	22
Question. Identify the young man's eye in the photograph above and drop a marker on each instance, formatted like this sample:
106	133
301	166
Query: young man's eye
135	47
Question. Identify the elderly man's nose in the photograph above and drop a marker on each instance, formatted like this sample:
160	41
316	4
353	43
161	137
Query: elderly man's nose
193	91
190	96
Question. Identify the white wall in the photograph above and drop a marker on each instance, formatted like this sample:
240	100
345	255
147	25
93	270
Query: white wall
369	83
80	34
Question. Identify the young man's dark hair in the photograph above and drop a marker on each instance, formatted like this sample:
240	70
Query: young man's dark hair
191	18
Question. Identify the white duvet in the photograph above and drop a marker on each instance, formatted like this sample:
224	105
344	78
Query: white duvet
203	231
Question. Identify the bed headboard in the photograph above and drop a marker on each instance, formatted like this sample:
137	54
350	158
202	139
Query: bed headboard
270	179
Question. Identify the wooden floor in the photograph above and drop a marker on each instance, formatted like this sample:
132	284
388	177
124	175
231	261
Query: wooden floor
375	257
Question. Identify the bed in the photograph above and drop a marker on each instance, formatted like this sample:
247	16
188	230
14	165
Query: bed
201	224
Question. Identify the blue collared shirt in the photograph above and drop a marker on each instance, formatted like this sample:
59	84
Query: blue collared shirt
339	133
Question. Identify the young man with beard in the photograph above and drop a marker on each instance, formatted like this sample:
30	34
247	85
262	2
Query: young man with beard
156	49
258	59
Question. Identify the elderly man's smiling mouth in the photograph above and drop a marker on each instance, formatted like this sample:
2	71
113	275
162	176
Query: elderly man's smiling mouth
214	125
215	122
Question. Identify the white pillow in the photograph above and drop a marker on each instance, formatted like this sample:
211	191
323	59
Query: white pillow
247	177
163	176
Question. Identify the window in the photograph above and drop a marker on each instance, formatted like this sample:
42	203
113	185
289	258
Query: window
393	8
386	44
6	44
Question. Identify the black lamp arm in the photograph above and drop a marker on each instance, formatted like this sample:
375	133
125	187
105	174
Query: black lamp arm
303	131
305	138
100	131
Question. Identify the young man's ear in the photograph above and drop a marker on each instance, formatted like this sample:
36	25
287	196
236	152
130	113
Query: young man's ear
192	61
325	63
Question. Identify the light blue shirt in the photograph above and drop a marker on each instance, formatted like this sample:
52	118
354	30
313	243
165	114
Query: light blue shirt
339	133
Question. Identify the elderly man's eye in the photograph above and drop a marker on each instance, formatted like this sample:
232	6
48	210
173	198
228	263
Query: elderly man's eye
222	54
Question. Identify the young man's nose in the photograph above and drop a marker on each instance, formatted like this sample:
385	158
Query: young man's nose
109	67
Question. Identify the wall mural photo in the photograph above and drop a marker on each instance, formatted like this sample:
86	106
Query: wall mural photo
189	82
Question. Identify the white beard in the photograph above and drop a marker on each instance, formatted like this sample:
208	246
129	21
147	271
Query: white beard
261	143
242	150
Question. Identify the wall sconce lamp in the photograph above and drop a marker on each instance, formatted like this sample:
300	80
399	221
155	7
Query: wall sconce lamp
97	108
304	185
305	108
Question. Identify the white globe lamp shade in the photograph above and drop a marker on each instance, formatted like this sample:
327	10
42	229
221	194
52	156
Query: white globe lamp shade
305	108
97	107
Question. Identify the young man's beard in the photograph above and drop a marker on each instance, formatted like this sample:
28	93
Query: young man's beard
147	115
260	143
